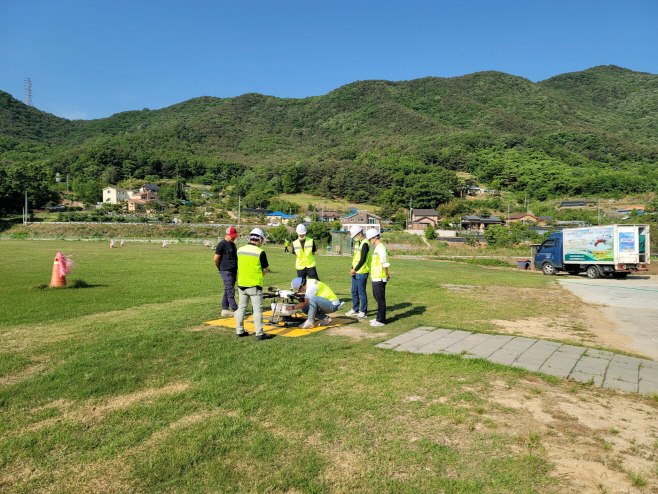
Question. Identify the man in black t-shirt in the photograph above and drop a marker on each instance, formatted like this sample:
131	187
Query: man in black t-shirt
226	261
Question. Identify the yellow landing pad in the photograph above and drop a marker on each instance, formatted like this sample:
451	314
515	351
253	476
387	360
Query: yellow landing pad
229	322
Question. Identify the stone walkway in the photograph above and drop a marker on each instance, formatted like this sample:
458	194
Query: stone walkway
585	365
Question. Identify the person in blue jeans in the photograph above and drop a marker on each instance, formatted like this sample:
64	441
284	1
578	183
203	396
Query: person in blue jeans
359	272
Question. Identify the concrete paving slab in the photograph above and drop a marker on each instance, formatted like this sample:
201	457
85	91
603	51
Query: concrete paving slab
535	356
620	385
648	387
649	374
599	354
421	341
591	365
439	345
467	343
489	346
586	378
404	337
626	360
511	350
572	350
605	369
560	364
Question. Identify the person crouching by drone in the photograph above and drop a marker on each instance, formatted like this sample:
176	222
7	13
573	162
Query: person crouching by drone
319	300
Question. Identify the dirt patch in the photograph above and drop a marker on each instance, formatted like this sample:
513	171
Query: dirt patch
22	375
353	332
594	437
578	322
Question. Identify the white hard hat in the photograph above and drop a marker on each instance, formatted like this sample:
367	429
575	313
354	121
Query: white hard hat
257	232
355	230
301	230
372	233
297	283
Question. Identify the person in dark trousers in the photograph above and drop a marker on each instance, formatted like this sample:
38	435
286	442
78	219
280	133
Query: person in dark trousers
379	275
304	248
226	261
359	272
286	244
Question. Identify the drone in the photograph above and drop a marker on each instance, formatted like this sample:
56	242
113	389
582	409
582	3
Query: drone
282	312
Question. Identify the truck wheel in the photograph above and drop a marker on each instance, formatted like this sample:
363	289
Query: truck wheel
619	276
593	272
548	269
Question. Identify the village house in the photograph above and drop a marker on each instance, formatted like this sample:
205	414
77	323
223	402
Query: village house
364	219
524	218
479	222
280	217
138	201
325	217
421	218
114	195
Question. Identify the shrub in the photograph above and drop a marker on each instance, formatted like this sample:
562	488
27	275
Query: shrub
430	233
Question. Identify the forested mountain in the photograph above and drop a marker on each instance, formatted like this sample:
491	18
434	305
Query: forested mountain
583	133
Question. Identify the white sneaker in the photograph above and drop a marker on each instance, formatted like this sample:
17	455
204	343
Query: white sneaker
361	315
377	323
351	312
373	320
227	312
306	325
340	306
326	321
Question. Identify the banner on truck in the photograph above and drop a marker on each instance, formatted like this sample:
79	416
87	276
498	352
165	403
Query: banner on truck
627	242
592	244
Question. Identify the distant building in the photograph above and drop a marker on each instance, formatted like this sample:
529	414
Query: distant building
364	219
281	217
479	222
421	218
524	218
575	204
114	195
149	188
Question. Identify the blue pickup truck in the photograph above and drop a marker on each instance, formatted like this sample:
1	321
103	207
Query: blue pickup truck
611	251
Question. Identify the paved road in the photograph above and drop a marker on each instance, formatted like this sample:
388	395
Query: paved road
632	303
605	369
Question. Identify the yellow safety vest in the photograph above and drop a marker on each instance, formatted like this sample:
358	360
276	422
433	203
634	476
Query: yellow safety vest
323	290
305	258
250	272
377	265
357	258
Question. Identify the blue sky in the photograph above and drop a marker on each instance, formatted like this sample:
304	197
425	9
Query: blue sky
91	59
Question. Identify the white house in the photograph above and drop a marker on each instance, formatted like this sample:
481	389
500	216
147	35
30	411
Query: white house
114	195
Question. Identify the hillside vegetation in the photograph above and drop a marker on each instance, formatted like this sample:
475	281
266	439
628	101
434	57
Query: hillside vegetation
587	133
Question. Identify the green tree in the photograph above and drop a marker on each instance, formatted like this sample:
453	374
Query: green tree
497	236
318	231
430	233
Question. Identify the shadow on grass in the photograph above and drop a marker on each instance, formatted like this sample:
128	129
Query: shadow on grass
416	311
75	284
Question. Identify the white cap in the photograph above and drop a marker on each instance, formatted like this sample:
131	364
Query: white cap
257	232
301	229
297	283
372	233
355	230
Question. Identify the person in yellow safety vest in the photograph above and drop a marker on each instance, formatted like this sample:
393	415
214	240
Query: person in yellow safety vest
304	248
359	272
379	275
252	267
286	244
319	300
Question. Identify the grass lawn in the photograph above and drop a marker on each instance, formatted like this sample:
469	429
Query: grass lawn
120	387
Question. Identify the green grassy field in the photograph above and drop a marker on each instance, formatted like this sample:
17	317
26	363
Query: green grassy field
119	386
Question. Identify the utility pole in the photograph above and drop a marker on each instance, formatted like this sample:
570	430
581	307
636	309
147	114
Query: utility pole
239	203
411	201
322	217
25	214
598	212
67	182
508	213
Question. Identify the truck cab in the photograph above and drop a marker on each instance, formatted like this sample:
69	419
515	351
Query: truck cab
549	254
